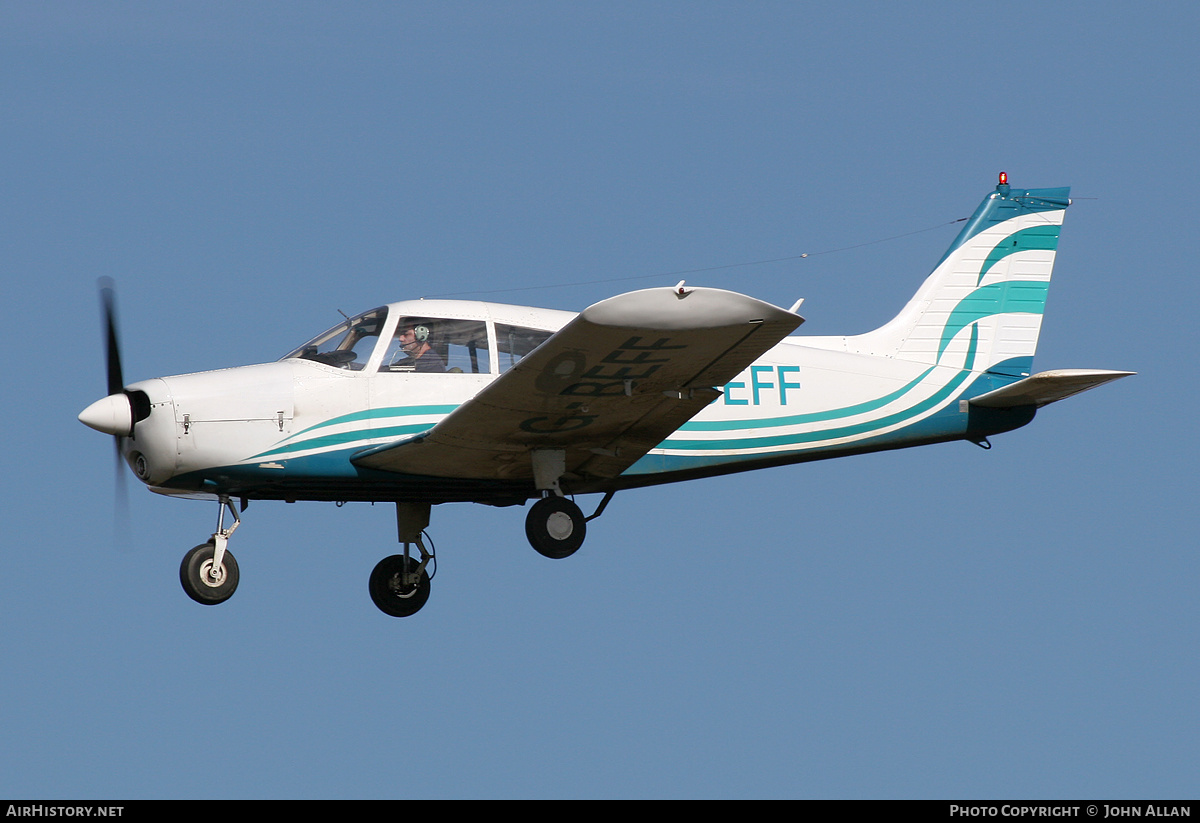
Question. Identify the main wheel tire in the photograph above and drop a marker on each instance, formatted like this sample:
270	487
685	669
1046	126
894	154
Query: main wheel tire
391	593
555	527
195	573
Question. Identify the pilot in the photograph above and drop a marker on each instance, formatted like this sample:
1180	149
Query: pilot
414	341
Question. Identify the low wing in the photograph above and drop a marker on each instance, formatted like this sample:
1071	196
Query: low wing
1046	387
607	388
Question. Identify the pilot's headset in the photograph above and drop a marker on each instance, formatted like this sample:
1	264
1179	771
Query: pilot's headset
420	335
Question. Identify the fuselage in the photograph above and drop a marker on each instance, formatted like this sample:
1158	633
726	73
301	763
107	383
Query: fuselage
287	430
309	425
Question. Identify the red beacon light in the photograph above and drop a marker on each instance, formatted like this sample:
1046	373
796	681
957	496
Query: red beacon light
1003	178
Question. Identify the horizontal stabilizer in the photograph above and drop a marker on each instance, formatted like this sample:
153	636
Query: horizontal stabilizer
1047	387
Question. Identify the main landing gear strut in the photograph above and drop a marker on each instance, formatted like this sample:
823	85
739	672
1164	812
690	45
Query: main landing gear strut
555	526
399	584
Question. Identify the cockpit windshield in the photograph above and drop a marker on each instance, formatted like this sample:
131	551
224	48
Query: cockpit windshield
347	345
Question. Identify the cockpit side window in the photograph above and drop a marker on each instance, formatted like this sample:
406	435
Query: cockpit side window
347	345
437	345
514	342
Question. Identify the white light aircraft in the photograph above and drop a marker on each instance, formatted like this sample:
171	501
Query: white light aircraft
438	401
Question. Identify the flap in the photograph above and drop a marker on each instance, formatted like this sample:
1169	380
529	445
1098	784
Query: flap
608	387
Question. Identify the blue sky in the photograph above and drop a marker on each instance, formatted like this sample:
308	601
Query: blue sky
940	622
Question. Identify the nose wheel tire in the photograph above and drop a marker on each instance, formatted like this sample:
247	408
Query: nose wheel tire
204	584
555	527
399	586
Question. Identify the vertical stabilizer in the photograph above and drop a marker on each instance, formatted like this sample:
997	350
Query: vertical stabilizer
990	285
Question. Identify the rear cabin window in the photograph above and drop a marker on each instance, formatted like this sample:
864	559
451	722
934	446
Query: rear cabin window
514	342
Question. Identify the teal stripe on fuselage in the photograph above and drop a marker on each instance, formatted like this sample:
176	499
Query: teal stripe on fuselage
290	444
798	438
947	423
375	414
799	419
342	438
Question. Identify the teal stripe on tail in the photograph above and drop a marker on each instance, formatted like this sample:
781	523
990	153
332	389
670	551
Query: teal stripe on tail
994	278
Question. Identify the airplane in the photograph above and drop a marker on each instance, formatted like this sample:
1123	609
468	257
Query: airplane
434	401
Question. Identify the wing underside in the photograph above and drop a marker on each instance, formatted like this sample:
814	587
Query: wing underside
608	387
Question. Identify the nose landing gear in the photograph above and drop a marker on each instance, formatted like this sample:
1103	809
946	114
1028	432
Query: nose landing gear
209	572
205	581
